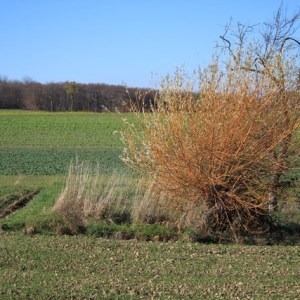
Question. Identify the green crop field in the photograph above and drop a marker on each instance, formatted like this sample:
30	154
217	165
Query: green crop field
41	143
72	129
35	151
48	267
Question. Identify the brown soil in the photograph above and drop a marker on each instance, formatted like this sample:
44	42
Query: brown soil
16	201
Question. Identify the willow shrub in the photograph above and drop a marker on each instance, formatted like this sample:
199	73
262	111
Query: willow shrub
209	142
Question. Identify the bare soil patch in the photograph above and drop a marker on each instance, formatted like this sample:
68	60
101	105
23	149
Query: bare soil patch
13	202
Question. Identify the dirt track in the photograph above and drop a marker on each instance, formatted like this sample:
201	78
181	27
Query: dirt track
15	202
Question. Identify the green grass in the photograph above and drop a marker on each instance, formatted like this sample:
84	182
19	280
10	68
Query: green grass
55	130
36	149
64	267
37	213
54	161
19	182
43	143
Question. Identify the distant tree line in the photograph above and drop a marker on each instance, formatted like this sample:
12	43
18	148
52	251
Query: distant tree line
71	96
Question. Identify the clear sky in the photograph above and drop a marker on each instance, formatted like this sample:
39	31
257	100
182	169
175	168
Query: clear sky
132	42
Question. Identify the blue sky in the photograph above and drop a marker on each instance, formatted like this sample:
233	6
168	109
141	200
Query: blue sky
132	42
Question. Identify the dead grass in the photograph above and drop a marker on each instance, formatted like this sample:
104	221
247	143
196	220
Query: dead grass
90	195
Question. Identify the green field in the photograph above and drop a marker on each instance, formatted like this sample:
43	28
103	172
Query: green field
41	143
35	151
44	267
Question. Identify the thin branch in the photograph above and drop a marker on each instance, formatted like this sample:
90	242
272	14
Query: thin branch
287	39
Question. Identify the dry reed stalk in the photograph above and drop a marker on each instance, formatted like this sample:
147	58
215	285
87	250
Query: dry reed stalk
89	195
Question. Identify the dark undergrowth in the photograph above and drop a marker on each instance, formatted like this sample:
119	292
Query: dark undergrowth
30	211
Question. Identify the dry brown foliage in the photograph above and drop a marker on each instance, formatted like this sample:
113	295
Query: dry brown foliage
214	144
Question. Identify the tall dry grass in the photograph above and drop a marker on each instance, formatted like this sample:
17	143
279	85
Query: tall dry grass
90	195
121	197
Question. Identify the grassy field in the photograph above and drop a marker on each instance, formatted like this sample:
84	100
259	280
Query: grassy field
41	143
47	267
35	151
52	130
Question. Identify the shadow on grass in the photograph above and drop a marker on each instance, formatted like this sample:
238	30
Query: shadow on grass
279	234
281	230
285	234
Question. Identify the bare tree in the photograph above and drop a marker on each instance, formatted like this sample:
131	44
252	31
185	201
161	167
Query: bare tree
271	52
72	89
